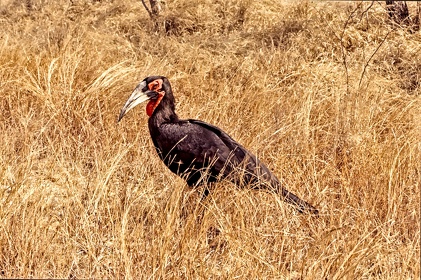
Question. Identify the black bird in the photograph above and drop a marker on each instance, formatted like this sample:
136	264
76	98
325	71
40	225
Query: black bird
200	152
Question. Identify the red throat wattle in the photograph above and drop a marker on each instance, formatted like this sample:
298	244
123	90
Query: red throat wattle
151	106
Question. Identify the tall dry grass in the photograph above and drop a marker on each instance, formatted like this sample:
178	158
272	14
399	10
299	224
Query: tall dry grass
328	95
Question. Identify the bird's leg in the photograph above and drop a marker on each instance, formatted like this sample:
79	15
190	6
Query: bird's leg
205	193
213	233
199	210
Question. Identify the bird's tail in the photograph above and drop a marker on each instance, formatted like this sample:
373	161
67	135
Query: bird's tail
301	205
252	171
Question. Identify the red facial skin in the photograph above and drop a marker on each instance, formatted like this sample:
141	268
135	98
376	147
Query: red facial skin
154	103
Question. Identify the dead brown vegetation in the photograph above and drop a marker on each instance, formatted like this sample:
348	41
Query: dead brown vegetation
326	94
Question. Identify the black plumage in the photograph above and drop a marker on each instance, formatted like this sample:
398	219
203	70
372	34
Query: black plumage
200	152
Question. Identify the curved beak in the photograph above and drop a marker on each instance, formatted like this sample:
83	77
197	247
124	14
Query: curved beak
138	96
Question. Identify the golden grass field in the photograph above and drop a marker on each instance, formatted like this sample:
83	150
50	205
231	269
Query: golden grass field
327	94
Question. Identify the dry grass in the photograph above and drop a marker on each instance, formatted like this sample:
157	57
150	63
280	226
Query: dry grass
328	95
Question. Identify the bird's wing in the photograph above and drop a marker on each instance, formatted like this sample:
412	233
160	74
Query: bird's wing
239	159
228	141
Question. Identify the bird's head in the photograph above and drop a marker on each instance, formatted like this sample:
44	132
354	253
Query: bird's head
156	89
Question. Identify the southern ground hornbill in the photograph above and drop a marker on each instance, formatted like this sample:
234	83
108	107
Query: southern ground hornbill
200	152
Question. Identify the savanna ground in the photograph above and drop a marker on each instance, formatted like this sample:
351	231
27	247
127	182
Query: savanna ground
326	94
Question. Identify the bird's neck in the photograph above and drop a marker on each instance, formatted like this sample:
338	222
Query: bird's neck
163	113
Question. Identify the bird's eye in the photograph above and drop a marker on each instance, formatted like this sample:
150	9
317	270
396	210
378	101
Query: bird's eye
155	85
